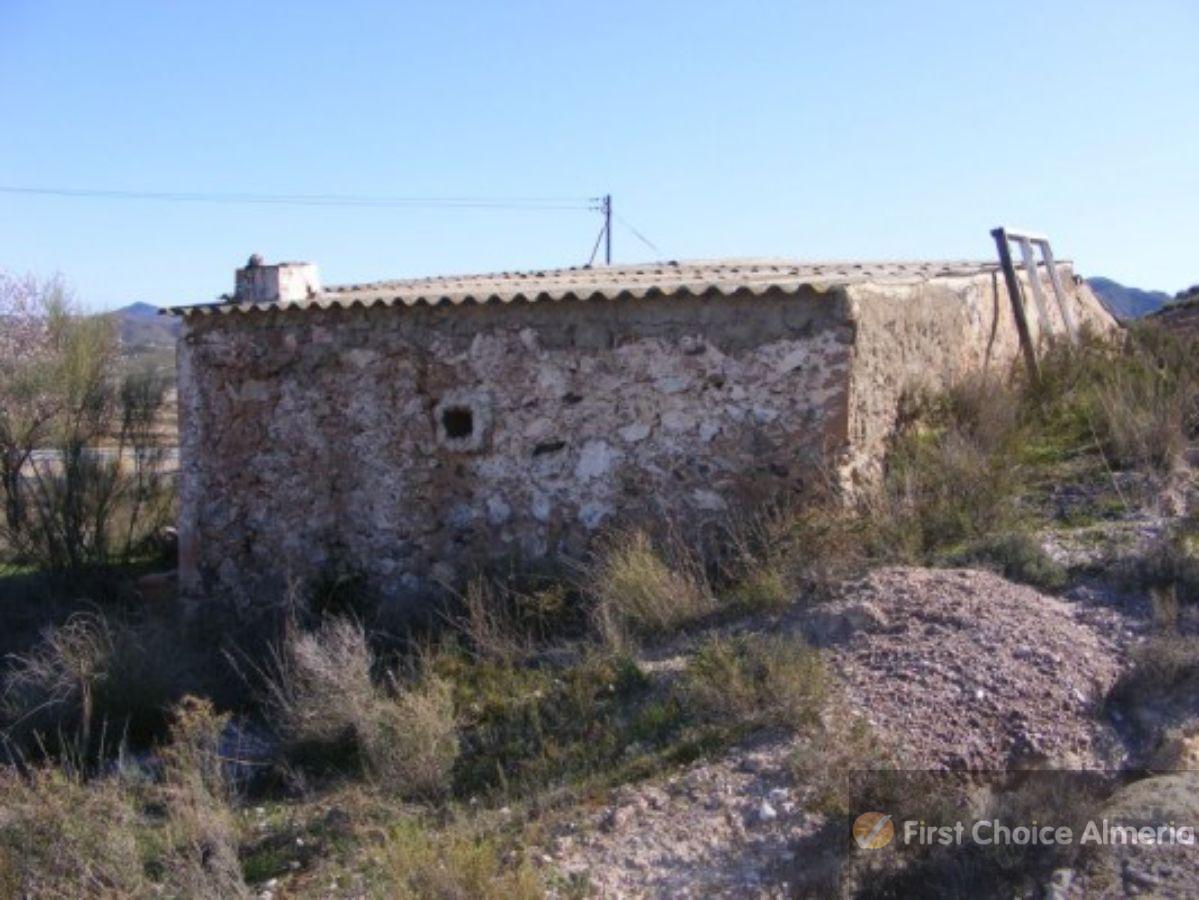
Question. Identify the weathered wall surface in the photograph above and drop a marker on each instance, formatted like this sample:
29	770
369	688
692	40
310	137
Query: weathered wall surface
406	443
931	332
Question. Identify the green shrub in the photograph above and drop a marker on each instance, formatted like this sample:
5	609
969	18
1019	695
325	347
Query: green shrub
763	589
756	680
1018	556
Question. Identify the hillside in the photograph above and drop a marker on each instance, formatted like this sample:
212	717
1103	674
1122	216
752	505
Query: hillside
143	329
1127	302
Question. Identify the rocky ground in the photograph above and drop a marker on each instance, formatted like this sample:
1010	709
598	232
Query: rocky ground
960	668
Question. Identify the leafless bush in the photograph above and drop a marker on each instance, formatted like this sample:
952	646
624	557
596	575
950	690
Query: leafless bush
488	623
95	677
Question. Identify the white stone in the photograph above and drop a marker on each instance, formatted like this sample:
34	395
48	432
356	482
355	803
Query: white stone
539	507
539	429
591	514
360	357
708	431
764	415
677	422
793	360
672	384
595	460
530	340
708	500
498	512
638	431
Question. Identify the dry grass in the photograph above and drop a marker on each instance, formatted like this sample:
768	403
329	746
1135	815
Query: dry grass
756	680
318	686
453	865
321	697
53	686
410	742
201	858
61	837
638	589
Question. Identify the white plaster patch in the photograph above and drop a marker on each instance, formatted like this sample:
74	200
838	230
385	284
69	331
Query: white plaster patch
360	357
596	459
551	381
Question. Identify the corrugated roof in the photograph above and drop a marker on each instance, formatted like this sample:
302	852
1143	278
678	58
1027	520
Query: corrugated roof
664	279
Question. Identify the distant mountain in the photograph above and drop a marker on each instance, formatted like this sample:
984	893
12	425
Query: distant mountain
142	329
1126	302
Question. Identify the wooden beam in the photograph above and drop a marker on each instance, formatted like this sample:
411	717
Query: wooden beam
1013	288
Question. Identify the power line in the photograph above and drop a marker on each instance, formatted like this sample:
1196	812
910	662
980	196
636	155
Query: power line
349	200
641	237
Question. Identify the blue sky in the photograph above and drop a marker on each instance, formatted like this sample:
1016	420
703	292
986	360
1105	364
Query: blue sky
814	130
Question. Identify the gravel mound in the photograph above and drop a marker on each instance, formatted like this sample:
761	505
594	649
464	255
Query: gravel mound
961	669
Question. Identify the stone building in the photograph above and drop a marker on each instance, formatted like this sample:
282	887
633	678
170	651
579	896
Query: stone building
407	430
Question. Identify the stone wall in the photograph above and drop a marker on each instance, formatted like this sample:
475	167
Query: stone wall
411	443
929	333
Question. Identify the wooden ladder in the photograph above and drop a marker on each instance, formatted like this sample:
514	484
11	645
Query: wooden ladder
1026	241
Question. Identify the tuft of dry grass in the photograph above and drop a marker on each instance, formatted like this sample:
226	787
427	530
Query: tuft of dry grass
318	685
638	589
201	858
756	680
321	697
410	741
54	685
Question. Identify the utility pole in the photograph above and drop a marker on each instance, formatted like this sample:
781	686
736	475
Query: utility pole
607	210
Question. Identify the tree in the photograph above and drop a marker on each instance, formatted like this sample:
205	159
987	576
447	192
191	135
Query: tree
80	455
31	312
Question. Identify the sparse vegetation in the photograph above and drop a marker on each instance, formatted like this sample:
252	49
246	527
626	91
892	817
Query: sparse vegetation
453	864
538	694
756	680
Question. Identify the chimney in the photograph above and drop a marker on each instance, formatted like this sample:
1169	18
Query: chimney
286	282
